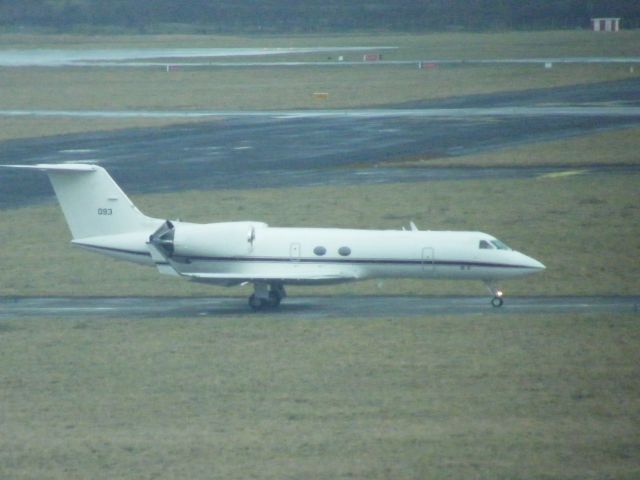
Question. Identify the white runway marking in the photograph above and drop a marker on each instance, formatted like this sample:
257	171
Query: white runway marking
586	111
78	150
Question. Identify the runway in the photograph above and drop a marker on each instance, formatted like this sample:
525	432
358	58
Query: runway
306	148
309	307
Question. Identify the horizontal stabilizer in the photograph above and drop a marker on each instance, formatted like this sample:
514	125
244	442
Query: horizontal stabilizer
66	167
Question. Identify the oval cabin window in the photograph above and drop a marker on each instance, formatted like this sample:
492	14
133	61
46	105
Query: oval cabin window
319	251
344	251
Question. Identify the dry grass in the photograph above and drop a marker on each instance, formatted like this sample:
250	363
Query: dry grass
271	88
468	397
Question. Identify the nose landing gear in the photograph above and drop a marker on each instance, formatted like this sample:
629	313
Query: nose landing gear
497	301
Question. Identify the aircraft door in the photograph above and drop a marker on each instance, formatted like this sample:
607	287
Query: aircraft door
294	252
428	262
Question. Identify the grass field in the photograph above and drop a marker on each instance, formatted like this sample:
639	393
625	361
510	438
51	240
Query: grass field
492	397
273	88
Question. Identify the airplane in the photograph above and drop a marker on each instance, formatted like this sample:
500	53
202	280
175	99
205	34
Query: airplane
103	219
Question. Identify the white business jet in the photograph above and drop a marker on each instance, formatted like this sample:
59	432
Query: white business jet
102	219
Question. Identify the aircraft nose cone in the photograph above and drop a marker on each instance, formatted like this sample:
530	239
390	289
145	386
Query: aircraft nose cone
533	263
530	264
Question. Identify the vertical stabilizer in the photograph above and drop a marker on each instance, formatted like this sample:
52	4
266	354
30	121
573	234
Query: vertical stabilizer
92	203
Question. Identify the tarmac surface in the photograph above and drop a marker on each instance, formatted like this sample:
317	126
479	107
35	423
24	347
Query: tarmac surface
310	307
268	149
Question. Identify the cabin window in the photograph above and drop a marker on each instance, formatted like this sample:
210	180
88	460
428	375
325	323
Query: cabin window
484	245
319	251
499	245
344	251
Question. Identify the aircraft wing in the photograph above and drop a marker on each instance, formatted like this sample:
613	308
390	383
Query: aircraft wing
238	278
166	265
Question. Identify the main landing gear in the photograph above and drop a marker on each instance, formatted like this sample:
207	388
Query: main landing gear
266	295
498	295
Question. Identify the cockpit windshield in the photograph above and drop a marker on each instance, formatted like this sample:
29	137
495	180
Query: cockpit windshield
499	245
492	245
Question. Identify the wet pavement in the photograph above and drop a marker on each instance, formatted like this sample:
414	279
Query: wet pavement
308	307
299	149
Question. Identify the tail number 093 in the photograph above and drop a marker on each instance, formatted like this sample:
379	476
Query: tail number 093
105	211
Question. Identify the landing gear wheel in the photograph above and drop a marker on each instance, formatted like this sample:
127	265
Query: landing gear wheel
256	303
497	302
274	299
266	296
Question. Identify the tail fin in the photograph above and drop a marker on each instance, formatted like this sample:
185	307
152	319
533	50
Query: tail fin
92	203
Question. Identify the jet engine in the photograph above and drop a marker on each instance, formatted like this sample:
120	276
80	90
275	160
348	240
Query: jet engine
181	240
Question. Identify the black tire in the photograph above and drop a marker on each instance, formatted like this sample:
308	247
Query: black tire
256	303
497	302
274	299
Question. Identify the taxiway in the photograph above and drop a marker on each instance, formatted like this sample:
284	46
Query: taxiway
266	149
308	307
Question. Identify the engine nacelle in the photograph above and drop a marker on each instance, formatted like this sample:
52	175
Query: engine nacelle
226	239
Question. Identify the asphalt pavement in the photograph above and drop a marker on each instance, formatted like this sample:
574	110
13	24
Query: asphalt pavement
308	307
299	150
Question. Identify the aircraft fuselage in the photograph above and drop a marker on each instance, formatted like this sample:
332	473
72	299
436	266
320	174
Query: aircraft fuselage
240	251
